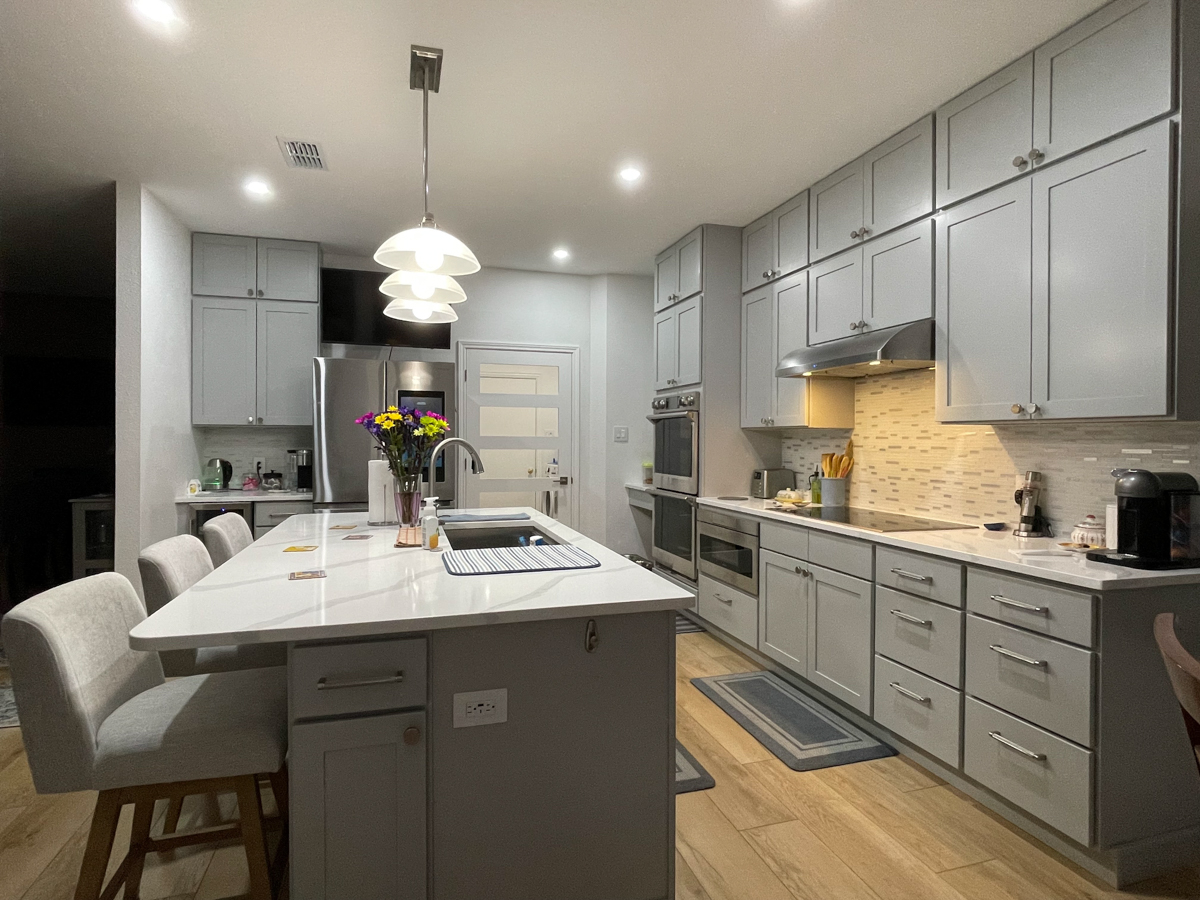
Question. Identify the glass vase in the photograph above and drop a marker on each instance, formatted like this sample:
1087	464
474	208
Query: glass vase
408	501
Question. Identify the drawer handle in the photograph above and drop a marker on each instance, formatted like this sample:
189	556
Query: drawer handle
913	576
1017	604
323	684
925	623
1028	660
722	599
280	515
1013	745
911	695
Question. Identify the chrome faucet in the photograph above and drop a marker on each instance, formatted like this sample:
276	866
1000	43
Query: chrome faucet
440	447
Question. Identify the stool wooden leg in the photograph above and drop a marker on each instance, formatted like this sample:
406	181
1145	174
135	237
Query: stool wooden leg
250	814
279	787
174	808
139	845
99	846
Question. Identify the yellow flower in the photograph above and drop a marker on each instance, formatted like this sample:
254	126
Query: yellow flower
391	409
379	419
388	426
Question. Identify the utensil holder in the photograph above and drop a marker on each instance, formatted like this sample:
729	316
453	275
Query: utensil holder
833	491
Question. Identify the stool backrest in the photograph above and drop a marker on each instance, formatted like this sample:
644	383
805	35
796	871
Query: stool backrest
170	567
226	536
71	663
1184	672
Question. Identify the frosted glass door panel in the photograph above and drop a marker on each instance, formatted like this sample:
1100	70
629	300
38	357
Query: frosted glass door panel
518	421
500	378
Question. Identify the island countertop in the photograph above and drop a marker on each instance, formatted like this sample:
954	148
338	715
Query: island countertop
374	588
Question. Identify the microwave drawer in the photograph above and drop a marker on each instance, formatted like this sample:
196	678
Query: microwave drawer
729	609
921	634
922	711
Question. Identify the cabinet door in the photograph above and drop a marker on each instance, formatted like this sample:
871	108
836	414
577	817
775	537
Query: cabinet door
839	636
223	361
983	296
836	211
287	343
358	808
666	278
783	610
790	406
666	349
289	270
791	235
898	277
1107	74
898	179
758	358
1102	280
224	265
691	260
758	256
984	133
835	297
688	334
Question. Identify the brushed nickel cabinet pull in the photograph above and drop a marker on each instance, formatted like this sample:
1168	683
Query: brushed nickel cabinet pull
1013	745
911	695
1021	658
1017	604
926	623
324	684
913	576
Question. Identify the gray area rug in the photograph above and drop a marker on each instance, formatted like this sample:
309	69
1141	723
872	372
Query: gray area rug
801	732
689	774
684	625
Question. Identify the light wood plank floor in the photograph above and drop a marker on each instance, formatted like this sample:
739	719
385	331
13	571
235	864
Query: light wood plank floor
881	830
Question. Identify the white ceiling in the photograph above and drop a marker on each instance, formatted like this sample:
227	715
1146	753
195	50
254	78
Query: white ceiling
730	107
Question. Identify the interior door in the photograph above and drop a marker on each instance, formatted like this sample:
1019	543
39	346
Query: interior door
518	412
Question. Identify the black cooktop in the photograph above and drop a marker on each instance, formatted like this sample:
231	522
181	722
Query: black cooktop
873	519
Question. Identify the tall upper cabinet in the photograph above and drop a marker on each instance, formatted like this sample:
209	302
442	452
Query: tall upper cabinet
226	265
679	271
775	245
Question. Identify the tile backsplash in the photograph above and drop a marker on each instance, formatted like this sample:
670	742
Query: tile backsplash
241	445
906	462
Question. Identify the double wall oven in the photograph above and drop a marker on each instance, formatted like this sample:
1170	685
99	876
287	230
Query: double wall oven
676	421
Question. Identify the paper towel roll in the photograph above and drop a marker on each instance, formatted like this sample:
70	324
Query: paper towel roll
1110	526
381	493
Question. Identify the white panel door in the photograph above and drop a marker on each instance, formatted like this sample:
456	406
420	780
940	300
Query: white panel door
835	297
224	265
666	350
898	179
223	361
758	358
898	277
287	344
518	412
791	327
289	270
688	337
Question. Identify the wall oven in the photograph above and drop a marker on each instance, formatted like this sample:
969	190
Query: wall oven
675	532
676	423
728	549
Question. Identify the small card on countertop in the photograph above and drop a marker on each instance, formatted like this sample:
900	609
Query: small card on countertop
301	548
358	537
306	575
341	527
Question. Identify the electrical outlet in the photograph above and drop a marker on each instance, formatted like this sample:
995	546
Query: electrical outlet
260	464
480	708
621	434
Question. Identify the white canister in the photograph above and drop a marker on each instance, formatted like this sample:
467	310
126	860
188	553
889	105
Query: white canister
381	494
833	491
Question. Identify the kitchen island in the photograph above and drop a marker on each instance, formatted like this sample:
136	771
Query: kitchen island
498	736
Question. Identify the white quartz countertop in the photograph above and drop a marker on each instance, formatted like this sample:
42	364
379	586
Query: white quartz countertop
373	588
245	497
985	548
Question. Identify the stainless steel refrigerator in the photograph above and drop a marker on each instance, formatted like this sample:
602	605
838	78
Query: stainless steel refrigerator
344	389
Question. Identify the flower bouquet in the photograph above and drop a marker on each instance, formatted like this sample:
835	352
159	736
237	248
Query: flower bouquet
406	437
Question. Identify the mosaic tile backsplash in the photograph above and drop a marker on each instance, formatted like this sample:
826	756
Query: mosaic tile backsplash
906	462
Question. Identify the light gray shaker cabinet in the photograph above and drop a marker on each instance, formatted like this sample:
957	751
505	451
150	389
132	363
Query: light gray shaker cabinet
224	265
287	343
835	297
364	833
224	370
839	636
776	244
677	347
898	277
983	307
783	610
1107	74
984	135
836	211
678	270
288	270
1102	280
758	357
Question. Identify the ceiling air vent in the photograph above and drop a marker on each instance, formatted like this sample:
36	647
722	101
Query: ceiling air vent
302	154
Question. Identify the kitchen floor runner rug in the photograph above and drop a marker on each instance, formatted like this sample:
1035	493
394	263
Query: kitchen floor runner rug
506	560
689	774
800	731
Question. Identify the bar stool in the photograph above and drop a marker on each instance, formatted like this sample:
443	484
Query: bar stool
225	537
97	715
1184	672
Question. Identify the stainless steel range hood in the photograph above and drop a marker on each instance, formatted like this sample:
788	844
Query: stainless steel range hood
871	353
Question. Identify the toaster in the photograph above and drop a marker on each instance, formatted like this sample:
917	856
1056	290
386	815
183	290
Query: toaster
766	483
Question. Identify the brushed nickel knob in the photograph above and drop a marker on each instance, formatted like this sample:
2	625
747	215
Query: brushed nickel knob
864	231
1036	155
412	735
1017	409
260	420
1033	409
249	292
1020	162
260	293
854	234
249	420
854	326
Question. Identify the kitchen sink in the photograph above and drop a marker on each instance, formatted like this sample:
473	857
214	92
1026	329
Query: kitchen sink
472	536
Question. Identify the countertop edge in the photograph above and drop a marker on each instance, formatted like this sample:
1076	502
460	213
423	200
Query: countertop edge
249	497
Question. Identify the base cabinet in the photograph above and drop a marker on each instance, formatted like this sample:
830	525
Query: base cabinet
783	610
839	636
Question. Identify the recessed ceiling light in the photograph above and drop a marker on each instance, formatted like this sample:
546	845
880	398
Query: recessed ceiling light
256	187
160	12
562	253
630	174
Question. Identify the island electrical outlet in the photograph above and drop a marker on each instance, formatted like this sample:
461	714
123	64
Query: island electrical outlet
480	708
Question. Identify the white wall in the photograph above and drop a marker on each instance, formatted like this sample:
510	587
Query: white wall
128	445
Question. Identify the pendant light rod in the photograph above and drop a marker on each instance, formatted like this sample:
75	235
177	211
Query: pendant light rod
425	75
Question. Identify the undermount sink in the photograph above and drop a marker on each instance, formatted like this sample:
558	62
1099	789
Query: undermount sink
480	536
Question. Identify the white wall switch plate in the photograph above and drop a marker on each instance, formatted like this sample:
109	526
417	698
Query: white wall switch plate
621	434
480	708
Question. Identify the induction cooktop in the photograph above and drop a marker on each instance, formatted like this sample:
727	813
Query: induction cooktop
873	519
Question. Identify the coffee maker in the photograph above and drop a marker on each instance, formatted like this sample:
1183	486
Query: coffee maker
1032	523
1158	521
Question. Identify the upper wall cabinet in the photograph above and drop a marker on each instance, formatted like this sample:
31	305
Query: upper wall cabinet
677	345
775	245
286	345
678	271
234	266
884	189
1109	73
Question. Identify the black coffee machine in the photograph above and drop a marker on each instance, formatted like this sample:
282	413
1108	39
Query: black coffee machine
1158	521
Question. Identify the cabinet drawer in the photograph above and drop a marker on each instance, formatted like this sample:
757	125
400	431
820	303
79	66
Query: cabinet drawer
1055	611
841	554
923	635
786	539
1047	682
916	573
730	610
364	676
274	512
919	709
1046	776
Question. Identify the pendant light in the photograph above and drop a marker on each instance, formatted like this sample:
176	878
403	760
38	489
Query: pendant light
426	258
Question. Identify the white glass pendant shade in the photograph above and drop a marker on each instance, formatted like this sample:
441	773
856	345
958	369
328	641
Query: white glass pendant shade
427	249
421	311
423	286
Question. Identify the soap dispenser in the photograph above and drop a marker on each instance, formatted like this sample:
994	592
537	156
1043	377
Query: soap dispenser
429	524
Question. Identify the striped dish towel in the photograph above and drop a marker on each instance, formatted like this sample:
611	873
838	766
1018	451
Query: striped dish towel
500	560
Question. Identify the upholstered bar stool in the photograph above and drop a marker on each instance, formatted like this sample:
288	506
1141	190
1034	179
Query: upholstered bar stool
1184	672
97	715
226	536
